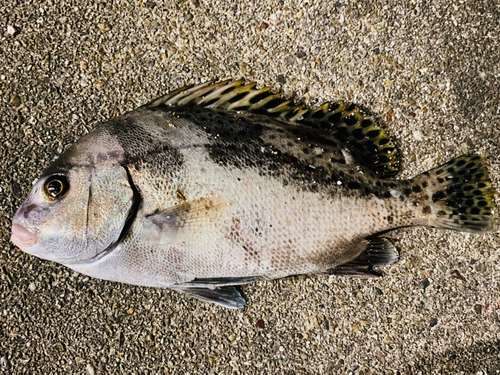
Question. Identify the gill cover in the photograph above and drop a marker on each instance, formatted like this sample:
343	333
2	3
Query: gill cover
111	208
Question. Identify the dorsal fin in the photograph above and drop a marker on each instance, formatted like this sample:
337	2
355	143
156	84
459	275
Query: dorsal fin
361	133
349	124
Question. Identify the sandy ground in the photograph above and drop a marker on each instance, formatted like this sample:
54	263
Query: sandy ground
427	69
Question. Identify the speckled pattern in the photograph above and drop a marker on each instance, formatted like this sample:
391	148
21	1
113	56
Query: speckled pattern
249	209
429	73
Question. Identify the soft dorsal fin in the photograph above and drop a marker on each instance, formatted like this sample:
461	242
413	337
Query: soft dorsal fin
349	124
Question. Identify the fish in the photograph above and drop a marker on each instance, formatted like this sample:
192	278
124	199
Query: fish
221	184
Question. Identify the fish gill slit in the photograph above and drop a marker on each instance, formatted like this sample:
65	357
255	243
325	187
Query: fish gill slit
89	201
136	202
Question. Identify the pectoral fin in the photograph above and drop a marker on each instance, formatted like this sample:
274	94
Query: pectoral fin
176	223
227	296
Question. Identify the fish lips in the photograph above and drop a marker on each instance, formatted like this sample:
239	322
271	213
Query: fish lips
22	237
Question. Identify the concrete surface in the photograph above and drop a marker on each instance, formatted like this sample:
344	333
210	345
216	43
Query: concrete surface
427	69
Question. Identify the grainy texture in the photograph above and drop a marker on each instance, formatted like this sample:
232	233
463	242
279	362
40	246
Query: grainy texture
427	70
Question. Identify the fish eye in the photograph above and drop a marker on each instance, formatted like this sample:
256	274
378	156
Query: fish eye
56	187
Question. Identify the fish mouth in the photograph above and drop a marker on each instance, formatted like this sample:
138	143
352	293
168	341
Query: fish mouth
22	237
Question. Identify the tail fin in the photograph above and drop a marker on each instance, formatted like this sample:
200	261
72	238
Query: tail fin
460	194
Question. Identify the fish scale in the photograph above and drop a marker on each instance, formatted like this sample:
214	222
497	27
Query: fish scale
217	185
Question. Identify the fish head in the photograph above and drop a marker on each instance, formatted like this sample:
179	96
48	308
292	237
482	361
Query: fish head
79	207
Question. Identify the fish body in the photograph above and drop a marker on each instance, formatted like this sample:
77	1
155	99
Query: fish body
222	184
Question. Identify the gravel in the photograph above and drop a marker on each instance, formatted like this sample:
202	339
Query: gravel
428	71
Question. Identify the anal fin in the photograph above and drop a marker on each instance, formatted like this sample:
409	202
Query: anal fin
379	252
226	296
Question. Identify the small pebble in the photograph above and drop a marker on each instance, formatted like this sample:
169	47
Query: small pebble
480	267
90	369
32	287
425	283
326	324
478	308
4	362
456	275
417	134
469	143
103	26
11	30
300	54
16	190
15	100
464	148
433	322
260	324
189	17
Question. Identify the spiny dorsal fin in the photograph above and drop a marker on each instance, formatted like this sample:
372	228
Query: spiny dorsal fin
348	123
234	96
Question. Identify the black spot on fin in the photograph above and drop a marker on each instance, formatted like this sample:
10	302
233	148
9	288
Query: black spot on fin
458	195
379	252
227	296
348	123
222	281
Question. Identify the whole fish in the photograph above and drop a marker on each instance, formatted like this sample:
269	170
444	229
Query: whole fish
218	185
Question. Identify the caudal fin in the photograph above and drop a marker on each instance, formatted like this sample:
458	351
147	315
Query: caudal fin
461	195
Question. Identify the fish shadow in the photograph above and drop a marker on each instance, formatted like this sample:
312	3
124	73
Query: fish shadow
481	357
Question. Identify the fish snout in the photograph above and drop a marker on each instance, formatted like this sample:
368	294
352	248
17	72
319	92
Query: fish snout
22	237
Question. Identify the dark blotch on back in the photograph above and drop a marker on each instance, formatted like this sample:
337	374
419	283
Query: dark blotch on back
140	146
245	141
